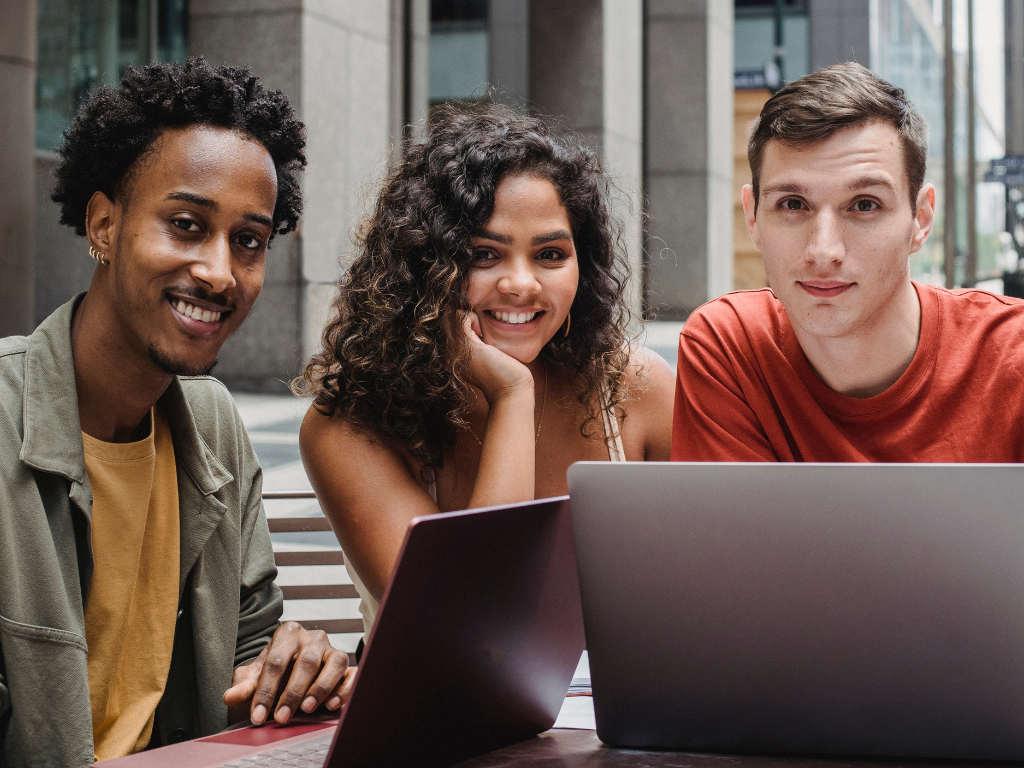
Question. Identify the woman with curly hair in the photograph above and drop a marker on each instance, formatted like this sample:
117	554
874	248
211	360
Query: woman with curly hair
479	342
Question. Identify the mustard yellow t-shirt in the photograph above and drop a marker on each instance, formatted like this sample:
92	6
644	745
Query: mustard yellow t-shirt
132	604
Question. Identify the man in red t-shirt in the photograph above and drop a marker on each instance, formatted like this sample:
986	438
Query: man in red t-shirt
845	358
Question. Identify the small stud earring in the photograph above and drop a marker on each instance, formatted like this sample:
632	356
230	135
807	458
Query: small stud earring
98	256
568	323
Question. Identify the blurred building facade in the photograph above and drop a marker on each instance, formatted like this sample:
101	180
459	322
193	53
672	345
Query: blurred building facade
665	89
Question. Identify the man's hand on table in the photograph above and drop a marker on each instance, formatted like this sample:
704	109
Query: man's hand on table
300	665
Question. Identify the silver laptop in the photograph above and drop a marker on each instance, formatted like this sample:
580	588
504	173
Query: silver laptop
865	609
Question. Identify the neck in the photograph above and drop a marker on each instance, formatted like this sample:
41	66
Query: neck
869	361
116	386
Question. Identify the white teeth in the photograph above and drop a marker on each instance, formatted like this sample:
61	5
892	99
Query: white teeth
515	318
203	315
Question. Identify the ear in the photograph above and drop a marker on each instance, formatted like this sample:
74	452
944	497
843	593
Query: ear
924	217
101	222
747	195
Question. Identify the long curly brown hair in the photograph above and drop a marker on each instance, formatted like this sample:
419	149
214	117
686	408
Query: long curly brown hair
394	355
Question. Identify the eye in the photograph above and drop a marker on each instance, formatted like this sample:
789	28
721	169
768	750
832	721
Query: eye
792	204
551	254
483	256
250	242
186	225
865	206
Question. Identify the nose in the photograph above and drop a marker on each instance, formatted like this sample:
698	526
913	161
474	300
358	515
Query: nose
518	278
215	265
826	244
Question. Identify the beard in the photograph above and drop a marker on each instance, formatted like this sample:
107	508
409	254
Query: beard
178	367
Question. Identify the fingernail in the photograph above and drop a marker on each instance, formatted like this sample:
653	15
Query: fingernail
309	704
259	714
334	702
282	714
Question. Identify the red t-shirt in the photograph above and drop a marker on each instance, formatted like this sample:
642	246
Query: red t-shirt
746	392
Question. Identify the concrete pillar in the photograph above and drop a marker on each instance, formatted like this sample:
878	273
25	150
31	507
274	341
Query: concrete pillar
334	61
840	31
585	69
1014	77
17	127
509	22
689	153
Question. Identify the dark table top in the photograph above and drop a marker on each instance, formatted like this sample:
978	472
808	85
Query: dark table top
582	749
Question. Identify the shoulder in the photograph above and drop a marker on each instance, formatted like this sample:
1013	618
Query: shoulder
741	325
210	401
650	383
976	315
736	313
13	351
334	448
972	301
329	437
647	369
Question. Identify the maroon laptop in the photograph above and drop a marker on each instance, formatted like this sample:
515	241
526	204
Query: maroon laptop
474	647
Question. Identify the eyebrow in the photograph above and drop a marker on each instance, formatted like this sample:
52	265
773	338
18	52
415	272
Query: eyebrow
189	197
205	202
785	188
558	234
550	237
865	182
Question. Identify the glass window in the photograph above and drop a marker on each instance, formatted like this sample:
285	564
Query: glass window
83	44
459	50
908	51
754	39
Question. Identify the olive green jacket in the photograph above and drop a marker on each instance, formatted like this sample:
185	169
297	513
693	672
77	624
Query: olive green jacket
228	604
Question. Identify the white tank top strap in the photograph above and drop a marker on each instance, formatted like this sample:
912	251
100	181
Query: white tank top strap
431	481
612	438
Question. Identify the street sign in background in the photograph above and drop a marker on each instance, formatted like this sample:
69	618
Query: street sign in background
1007	170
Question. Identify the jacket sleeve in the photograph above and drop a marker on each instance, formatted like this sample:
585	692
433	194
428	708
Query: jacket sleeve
5	706
260	599
712	420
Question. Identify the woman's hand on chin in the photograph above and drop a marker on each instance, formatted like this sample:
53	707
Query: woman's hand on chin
495	373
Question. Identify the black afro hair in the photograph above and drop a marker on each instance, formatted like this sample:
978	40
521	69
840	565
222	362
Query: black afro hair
116	126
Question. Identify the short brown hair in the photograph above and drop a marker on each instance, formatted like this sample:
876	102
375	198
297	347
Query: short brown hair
812	109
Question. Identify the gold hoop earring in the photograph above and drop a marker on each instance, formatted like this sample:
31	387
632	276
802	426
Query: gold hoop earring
98	256
568	323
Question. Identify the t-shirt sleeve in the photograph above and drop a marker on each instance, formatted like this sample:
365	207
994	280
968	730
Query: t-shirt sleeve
712	420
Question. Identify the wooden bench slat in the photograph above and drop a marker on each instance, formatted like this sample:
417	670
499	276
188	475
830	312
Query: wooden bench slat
288	495
319	592
320	557
332	626
298	524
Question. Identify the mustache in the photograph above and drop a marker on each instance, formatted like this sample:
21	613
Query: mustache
196	292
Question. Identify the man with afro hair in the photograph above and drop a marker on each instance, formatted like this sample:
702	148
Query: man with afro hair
137	597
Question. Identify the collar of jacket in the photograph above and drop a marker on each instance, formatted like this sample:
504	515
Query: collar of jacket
53	435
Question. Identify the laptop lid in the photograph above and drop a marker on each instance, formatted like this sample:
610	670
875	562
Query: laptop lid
831	608
477	638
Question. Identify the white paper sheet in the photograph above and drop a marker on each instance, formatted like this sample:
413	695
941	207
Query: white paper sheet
577	712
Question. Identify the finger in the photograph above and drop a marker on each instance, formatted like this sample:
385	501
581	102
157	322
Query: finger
308	661
471	324
243	682
330	678
344	690
282	649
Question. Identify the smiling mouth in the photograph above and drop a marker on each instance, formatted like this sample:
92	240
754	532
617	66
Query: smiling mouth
513	318
196	314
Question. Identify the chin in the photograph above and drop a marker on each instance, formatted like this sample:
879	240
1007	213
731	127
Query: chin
180	366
